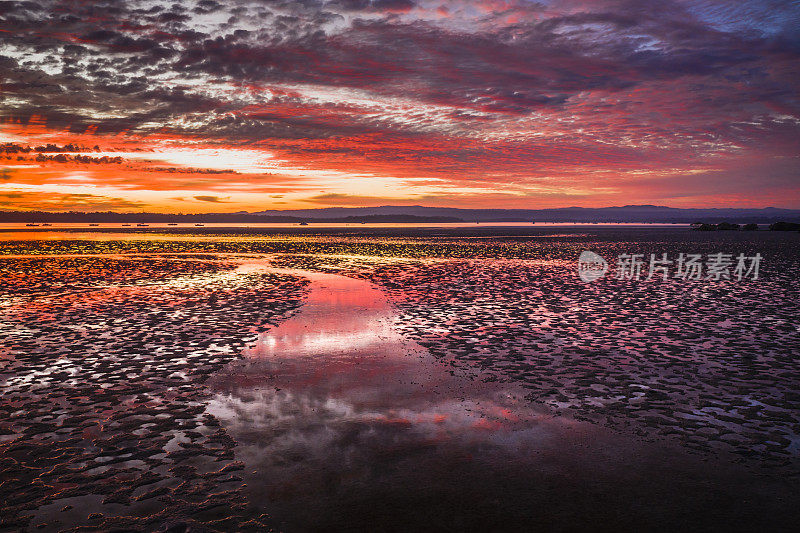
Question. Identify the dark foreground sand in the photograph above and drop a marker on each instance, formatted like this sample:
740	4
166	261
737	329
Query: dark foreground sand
344	424
170	392
103	410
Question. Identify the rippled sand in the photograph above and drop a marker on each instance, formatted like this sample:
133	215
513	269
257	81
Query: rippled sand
104	420
422	381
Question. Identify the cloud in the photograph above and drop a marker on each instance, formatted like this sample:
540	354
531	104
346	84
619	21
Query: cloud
517	94
338	199
329	196
47	201
212	199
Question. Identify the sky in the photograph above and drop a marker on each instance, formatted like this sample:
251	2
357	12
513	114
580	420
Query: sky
247	105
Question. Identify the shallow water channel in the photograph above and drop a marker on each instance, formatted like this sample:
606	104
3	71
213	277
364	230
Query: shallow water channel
344	424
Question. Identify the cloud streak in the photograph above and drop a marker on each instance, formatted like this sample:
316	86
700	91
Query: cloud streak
210	199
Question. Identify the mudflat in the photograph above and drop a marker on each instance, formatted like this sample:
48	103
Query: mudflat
426	380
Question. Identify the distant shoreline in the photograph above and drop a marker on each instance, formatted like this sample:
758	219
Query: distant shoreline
107	226
630	214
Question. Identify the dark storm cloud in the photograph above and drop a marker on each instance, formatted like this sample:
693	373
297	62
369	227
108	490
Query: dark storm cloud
512	69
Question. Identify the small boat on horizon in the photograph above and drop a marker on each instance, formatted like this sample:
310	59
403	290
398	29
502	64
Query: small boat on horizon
93	224
46	224
140	225
172	223
31	225
199	224
303	224
125	225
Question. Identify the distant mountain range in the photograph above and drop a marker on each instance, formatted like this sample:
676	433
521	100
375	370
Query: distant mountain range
628	213
420	214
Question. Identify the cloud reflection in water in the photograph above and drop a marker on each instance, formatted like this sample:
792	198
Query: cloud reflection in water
344	424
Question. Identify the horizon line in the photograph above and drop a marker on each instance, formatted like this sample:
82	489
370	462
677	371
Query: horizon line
260	213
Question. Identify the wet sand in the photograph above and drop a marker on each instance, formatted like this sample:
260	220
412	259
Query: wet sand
344	424
453	382
103	421
711	365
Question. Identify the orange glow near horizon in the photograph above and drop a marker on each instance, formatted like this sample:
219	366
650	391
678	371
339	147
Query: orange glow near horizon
169	173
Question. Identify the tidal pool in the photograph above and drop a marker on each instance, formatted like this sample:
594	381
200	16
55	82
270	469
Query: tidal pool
344	424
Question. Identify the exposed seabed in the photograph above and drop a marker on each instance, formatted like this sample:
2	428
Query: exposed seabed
216	391
342	423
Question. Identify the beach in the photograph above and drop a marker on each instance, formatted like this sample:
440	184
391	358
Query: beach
420	378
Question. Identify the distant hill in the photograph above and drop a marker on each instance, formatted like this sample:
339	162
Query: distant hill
628	213
421	214
218	218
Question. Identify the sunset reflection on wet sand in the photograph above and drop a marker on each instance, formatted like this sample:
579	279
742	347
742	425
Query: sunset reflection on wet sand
343	423
429	381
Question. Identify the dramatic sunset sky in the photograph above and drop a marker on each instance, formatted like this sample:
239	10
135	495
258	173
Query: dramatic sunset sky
201	106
